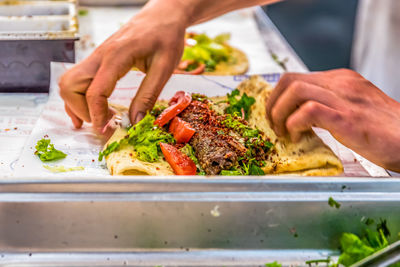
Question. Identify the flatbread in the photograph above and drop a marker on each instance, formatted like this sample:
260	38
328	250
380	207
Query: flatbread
125	161
310	156
236	65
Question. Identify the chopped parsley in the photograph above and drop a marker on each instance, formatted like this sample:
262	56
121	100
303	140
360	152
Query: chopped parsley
145	139
199	97
254	143
239	105
46	151
333	203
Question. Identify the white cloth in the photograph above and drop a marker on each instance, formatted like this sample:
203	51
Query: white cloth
376	49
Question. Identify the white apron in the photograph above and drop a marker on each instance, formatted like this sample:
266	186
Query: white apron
376	49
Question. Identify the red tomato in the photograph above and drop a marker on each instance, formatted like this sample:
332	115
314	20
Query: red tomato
177	104
180	163
199	70
181	130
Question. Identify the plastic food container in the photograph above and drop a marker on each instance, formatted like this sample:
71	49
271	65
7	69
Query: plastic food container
32	34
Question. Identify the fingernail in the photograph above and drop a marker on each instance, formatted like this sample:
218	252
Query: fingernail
139	117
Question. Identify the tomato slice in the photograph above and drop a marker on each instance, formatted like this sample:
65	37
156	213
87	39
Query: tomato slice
180	162
177	104
199	70
181	130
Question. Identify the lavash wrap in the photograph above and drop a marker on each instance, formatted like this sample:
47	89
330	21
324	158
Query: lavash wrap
309	157
236	64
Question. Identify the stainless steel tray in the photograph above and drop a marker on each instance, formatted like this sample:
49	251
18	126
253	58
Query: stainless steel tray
186	222
32	34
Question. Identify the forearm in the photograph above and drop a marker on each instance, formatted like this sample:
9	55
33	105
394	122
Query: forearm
195	11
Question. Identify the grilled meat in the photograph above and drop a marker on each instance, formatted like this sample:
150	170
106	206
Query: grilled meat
215	150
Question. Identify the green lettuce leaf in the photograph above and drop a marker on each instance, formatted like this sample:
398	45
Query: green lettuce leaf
145	138
46	151
353	249
273	264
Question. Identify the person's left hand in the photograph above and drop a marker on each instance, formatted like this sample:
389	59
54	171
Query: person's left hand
351	108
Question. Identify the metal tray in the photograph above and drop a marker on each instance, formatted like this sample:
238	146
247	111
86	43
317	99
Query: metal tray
186	222
32	34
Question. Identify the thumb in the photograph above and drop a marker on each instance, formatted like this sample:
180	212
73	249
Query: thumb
160	71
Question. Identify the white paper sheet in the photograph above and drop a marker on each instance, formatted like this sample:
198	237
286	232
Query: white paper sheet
82	146
18	116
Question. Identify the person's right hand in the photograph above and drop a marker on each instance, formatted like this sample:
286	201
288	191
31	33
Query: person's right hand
351	108
151	41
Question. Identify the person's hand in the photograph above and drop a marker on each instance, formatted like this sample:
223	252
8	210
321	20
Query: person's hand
355	112
151	41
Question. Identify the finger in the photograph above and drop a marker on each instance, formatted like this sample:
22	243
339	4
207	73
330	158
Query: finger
294	96
160	71
315	78
76	121
102	86
342	73
71	84
313	114
74	84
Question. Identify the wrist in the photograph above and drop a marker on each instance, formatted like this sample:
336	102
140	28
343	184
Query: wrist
176	11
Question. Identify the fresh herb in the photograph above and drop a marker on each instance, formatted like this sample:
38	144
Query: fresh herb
199	97
328	260
239	105
60	168
281	63
355	248
382	225
254	143
145	139
255	170
188	150
333	203
46	151
114	146
369	221
157	110
83	12
273	264
233	172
